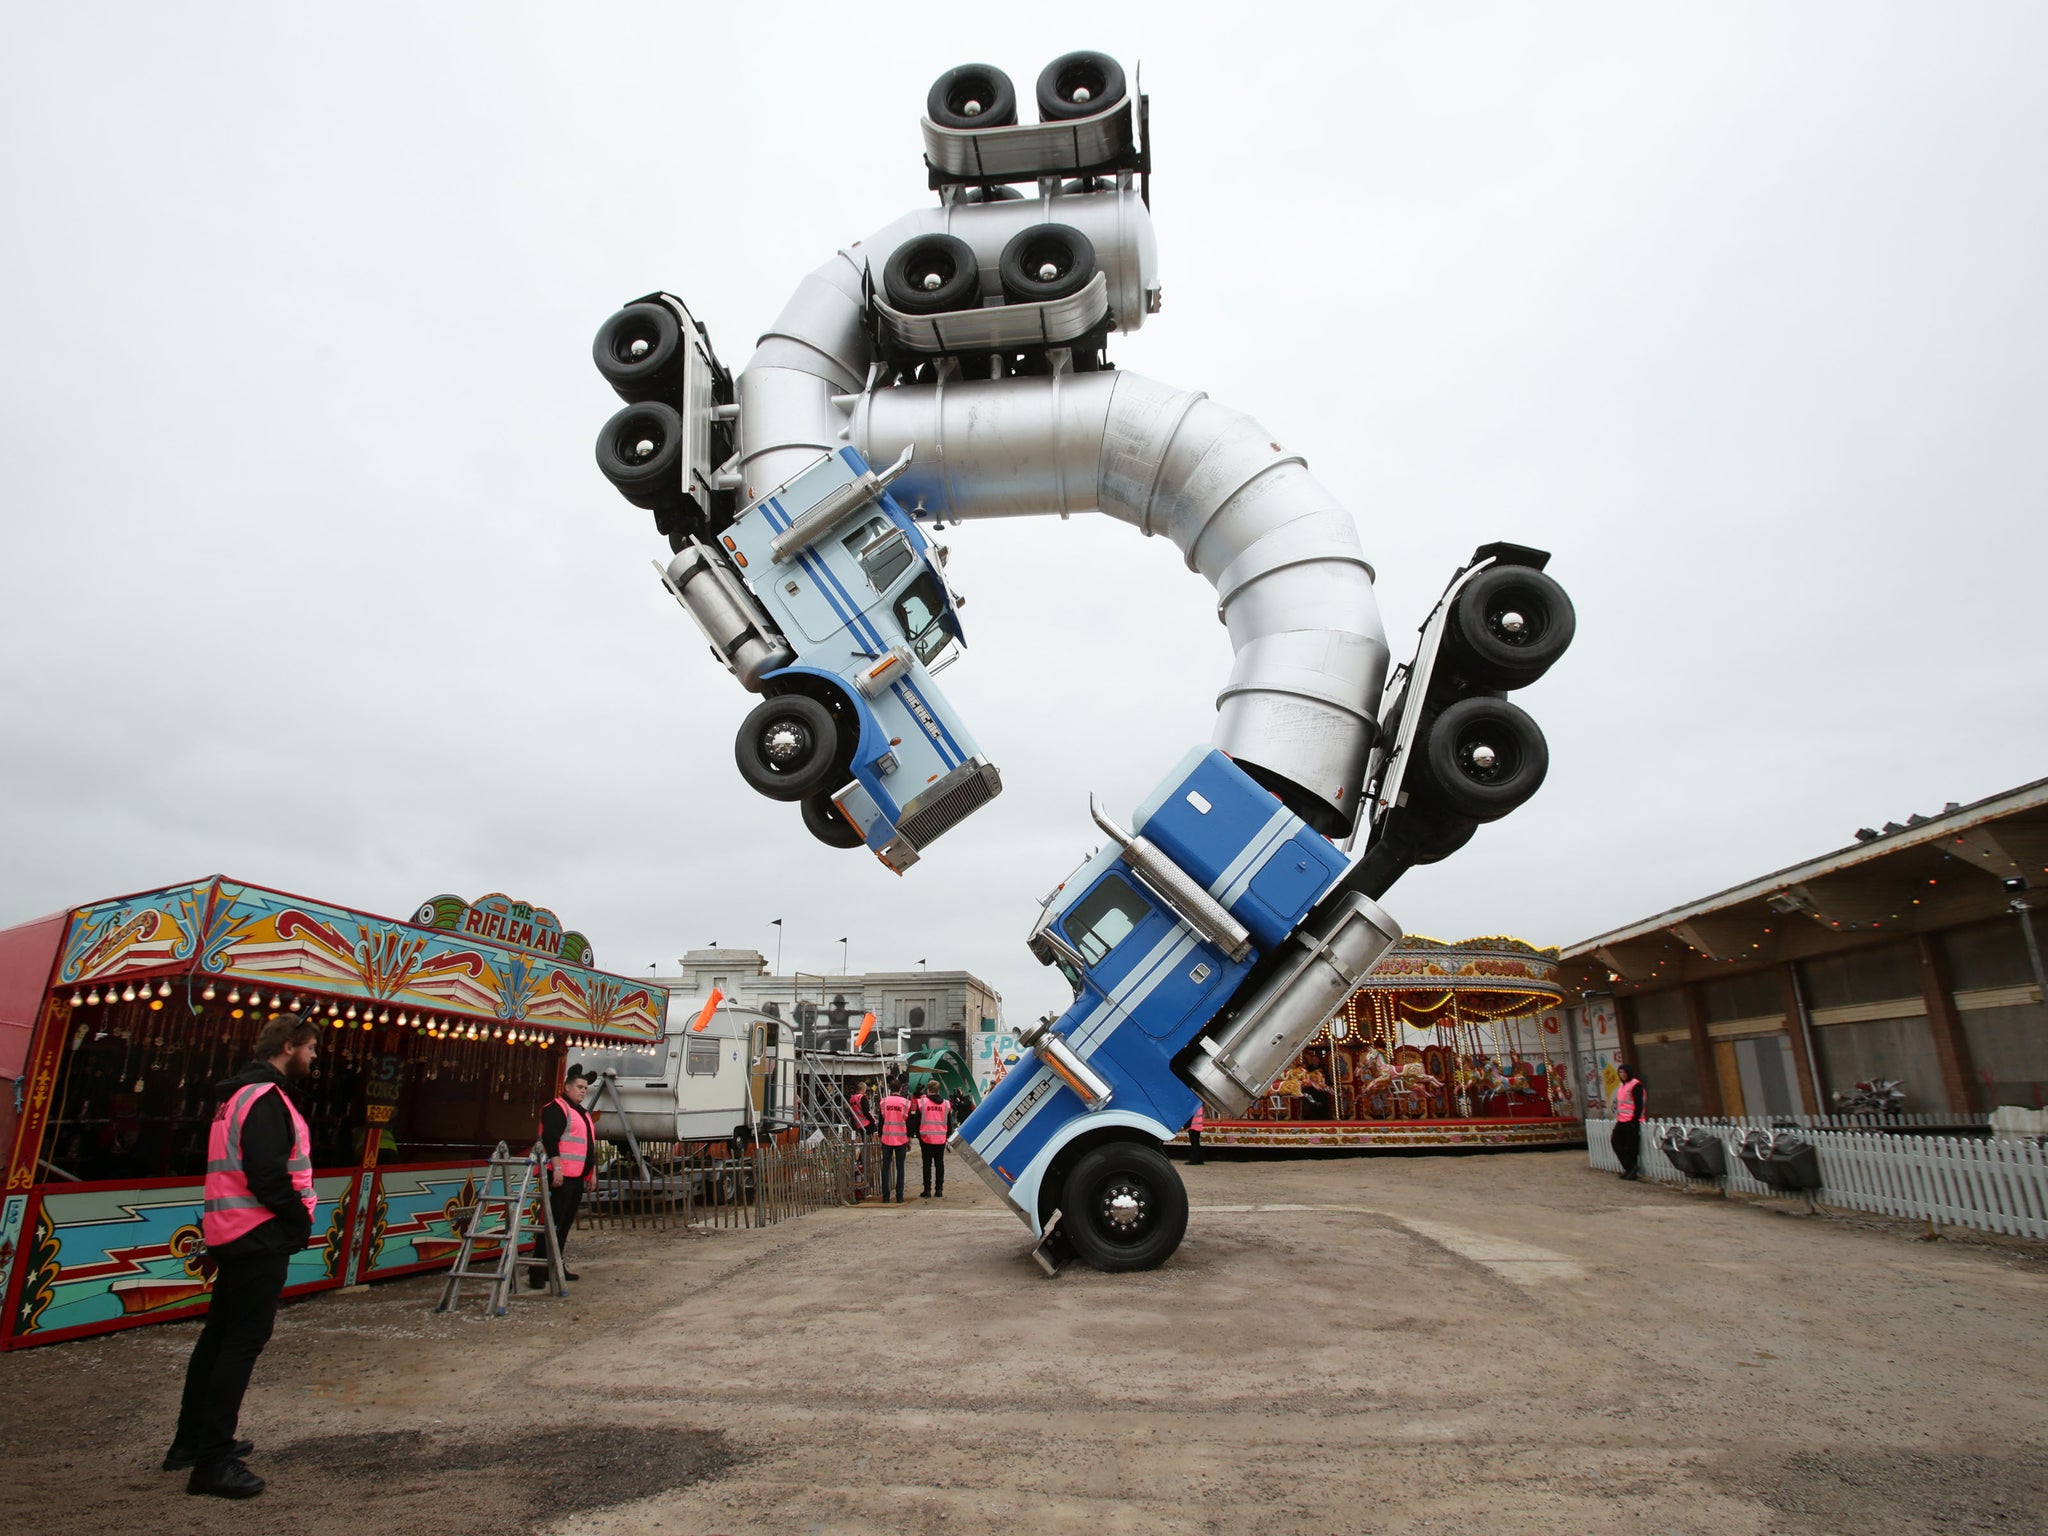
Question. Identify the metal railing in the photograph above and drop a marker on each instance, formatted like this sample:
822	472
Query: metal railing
1964	1181
686	1189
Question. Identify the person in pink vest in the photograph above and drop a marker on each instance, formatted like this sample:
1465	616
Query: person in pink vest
1195	1136
569	1136
895	1140
1630	1110
933	1113
259	1212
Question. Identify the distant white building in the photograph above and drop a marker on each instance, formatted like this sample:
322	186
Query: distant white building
922	1008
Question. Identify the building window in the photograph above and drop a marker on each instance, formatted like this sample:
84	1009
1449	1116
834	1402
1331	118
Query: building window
701	1058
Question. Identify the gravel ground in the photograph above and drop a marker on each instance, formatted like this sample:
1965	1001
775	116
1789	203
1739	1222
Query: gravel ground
1507	1342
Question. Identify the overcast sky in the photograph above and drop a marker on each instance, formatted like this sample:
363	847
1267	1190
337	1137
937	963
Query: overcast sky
309	578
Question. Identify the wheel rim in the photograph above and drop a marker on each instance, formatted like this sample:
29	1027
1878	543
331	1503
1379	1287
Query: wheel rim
1515	619
784	745
1081	85
971	96
632	342
638	442
1126	1209
1487	752
1048	260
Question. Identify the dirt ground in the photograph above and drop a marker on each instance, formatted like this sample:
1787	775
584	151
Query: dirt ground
1491	1343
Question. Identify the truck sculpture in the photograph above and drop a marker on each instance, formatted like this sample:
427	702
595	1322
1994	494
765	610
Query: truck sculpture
964	349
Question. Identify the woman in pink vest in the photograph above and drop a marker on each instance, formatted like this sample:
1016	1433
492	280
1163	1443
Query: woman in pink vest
1195	1136
259	1212
895	1140
570	1138
1629	1113
932	1114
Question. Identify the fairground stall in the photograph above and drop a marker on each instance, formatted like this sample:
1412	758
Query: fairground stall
1445	1045
445	1034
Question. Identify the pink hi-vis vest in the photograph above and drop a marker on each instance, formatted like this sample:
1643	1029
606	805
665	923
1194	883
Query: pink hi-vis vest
1625	1100
1195	1124
575	1142
895	1121
232	1210
931	1121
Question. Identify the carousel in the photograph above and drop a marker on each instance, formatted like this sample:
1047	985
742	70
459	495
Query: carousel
1445	1045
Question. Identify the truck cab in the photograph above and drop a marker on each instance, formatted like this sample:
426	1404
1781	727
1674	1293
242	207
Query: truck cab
1176	936
826	596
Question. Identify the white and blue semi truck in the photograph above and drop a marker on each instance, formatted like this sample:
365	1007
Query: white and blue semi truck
1203	945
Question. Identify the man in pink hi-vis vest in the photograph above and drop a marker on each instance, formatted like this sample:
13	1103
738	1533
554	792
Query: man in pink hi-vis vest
1629	1112
259	1212
932	1114
569	1137
895	1140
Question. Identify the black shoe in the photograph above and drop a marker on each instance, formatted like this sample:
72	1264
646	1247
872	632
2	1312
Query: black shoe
536	1282
177	1458
225	1480
926	1195
570	1274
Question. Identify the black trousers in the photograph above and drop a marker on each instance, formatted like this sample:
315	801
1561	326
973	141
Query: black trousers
238	1323
934	1166
1194	1145
894	1159
564	1200
1628	1145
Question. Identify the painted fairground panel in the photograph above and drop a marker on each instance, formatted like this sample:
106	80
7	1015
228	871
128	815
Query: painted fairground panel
266	936
1446	1044
95	1257
154	931
413	1217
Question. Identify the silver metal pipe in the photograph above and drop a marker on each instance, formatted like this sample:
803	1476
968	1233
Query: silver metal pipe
1293	587
1203	912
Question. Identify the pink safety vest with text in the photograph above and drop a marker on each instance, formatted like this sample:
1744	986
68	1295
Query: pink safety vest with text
931	1121
574	1146
232	1209
1625	1100
895	1121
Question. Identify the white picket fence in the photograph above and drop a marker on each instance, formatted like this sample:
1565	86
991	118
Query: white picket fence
1994	1186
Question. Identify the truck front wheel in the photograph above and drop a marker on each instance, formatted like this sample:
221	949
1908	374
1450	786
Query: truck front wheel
786	747
1124	1207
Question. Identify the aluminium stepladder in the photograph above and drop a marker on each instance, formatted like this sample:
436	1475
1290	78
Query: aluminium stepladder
500	1216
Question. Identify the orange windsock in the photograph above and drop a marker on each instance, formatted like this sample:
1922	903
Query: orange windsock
710	1006
867	1027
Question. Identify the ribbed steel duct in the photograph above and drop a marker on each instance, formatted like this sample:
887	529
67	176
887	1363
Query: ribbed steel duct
1292	583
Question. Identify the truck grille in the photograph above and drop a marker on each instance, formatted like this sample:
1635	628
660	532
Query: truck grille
960	793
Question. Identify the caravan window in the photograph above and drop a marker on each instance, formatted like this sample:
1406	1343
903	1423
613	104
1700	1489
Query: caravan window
701	1058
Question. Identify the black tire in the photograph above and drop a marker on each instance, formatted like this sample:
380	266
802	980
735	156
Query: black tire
786	746
972	96
640	451
828	826
1079	85
640	352
1435	837
1508	625
1481	758
932	274
1119	1182
991	195
1064	252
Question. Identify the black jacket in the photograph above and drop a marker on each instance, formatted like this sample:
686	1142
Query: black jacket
266	1147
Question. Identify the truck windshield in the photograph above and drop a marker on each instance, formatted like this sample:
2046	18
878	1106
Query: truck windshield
1104	918
921	612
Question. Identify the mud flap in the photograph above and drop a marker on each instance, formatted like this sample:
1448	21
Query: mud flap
1051	1255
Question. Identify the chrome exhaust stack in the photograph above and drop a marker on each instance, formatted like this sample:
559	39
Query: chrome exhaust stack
1321	965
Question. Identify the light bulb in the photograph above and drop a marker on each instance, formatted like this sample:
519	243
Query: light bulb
207	995
92	998
277	999
77	999
351	1010
333	1009
165	989
296	1001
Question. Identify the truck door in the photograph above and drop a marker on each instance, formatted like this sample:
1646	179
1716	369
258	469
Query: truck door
1146	960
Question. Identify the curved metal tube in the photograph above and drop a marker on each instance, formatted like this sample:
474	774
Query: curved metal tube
1292	584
